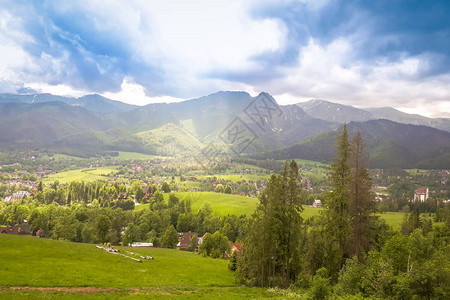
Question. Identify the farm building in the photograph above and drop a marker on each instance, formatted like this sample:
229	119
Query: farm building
186	240
16	230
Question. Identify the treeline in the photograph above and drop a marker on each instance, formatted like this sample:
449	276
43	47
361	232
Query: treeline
92	223
346	250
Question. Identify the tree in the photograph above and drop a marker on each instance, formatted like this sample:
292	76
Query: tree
165	187
232	265
173	200
337	225
214	245
411	221
271	252
131	234
321	287
102	226
139	194
228	190
40	186
362	203
169	238
219	188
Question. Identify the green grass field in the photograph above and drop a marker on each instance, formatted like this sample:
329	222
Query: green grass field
60	157
44	268
135	156
237	177
223	204
93	174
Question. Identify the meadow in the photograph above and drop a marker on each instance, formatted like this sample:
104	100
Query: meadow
226	204
44	268
135	156
92	174
237	177
223	204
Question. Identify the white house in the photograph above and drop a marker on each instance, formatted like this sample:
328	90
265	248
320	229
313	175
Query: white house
421	195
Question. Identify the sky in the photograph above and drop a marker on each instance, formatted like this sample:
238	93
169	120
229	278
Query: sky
361	53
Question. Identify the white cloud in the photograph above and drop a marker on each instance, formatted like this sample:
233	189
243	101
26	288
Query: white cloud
179	44
329	72
133	93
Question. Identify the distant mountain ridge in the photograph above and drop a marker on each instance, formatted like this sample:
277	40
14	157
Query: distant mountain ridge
92	125
389	145
334	112
94	103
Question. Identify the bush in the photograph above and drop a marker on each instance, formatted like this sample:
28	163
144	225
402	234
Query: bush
321	288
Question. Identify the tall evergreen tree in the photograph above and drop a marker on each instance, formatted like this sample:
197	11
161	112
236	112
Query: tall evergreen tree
337	226
362	203
271	254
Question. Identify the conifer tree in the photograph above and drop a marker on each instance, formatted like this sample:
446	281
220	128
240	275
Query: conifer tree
337	226
271	252
362	203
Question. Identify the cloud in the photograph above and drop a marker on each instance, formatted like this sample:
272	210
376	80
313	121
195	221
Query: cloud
94	45
361	53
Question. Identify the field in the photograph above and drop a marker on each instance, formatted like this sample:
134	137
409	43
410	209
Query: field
45	268
134	156
225	204
94	174
237	177
222	204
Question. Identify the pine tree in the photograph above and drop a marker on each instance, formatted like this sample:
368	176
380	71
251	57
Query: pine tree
337	226
271	253
362	203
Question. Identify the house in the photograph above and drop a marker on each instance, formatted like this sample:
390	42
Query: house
141	244
186	240
317	203
200	239
235	248
16	230
421	195
18	196
40	233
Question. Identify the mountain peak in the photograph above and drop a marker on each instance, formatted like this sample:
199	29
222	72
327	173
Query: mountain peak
334	112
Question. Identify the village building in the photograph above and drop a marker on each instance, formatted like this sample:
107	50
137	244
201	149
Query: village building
186	240
18	196
141	244
16	230
235	248
421	195
317	203
201	239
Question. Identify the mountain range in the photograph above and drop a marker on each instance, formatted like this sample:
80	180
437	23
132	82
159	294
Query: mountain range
94	125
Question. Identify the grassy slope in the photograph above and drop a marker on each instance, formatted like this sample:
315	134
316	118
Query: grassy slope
225	204
134	155
59	263
28	261
237	177
222	204
81	175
